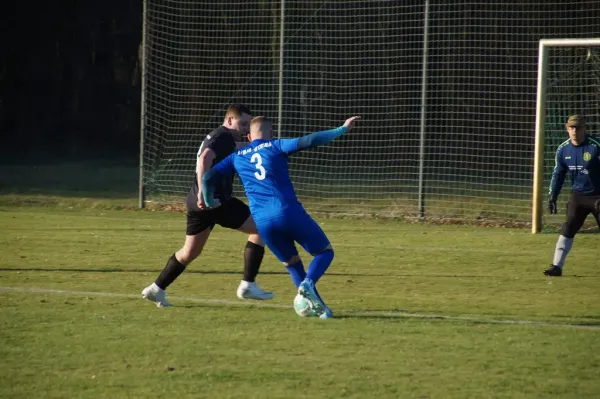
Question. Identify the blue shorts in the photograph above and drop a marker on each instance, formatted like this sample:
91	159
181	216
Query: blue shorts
281	233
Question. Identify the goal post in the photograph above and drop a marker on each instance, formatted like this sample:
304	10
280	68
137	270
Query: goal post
545	45
142	64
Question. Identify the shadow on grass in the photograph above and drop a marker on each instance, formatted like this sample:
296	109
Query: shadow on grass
282	273
590	321
588	230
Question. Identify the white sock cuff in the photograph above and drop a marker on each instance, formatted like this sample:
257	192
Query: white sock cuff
155	287
245	284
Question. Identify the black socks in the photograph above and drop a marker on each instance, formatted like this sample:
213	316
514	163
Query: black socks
172	270
253	256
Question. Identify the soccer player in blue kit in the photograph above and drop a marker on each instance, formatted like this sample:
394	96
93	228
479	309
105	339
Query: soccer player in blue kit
280	218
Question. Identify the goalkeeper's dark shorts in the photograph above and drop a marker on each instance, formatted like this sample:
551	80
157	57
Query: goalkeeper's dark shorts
578	209
231	214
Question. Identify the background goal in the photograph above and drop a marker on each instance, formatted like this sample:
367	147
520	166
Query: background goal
568	83
447	93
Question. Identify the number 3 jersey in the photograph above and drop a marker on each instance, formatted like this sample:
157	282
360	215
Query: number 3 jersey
262	167
222	142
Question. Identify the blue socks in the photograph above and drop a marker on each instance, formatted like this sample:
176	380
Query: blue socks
297	272
319	265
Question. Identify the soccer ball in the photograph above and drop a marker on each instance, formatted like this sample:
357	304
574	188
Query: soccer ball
304	307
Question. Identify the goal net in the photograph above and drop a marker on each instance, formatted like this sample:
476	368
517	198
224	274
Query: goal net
200	56
571	72
447	92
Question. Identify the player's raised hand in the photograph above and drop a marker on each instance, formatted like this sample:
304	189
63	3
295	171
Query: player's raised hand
349	124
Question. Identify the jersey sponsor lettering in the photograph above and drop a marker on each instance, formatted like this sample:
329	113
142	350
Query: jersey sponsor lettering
248	150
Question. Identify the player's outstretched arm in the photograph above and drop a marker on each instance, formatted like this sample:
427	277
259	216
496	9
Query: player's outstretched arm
209	179
326	136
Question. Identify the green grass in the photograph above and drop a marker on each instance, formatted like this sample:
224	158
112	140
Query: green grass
423	311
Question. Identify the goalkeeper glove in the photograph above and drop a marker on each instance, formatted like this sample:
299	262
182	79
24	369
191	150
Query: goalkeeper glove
552	208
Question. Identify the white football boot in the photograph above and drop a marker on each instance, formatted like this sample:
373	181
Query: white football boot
155	294
247	290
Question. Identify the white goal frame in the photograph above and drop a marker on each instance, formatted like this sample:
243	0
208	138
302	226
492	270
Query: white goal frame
540	120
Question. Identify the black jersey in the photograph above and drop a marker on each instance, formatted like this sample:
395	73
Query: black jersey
222	142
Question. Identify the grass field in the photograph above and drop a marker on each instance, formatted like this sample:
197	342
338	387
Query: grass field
423	311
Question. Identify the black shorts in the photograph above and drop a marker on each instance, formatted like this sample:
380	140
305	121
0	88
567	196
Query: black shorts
231	214
578	208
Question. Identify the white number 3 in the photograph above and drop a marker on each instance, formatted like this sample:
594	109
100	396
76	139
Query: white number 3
262	173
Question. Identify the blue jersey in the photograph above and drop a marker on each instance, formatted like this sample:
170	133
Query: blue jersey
582	163
262	167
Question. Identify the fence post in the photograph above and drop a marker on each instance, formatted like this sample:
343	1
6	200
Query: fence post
142	61
280	94
421	197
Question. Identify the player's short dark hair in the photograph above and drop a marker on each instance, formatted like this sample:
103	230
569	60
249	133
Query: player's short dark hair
236	110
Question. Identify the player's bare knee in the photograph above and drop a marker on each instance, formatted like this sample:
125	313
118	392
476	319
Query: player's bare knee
184	257
188	253
192	248
248	227
255	239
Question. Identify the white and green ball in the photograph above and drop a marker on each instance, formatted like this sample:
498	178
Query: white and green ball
304	307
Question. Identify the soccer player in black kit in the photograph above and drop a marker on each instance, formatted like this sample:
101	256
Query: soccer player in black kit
232	214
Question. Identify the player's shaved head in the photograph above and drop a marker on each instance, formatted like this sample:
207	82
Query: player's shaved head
261	128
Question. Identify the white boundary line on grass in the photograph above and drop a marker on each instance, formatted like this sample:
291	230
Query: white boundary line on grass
261	304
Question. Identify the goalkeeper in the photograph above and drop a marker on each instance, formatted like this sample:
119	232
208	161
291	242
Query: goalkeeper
280	218
579	156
